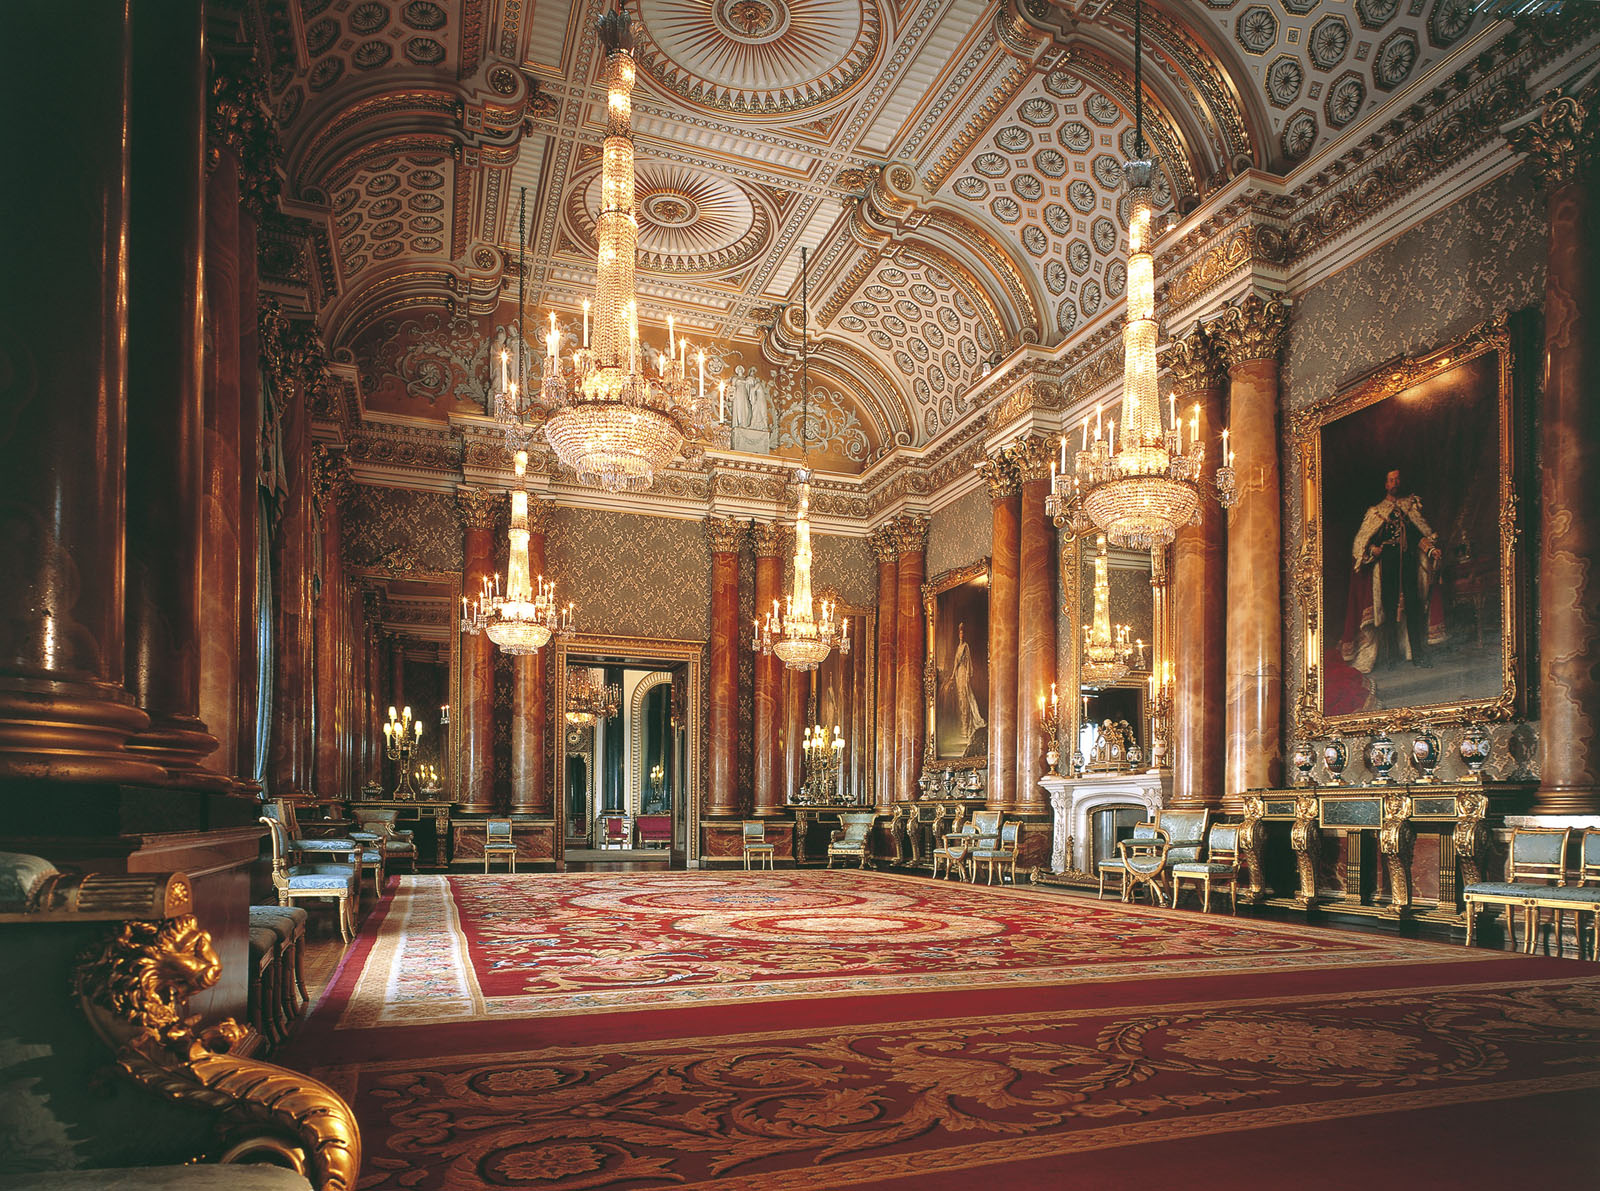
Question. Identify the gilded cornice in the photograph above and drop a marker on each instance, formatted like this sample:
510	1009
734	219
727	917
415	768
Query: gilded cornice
1029	458
766	539
1241	248
1562	139
1000	476
1253	328
910	534
1194	363
479	507
724	534
1034	393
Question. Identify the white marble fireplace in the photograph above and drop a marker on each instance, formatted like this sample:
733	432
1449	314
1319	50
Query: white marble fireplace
1075	800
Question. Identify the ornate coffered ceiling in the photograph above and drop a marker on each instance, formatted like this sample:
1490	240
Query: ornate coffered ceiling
953	165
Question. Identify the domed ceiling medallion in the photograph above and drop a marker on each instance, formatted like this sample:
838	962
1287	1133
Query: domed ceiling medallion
690	220
758	56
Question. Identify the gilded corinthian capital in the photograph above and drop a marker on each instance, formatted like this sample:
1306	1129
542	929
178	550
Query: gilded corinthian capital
885	546
766	539
1194	363
539	514
1029	458
1000	475
724	533
478	506
910	534
1561	139
1253	328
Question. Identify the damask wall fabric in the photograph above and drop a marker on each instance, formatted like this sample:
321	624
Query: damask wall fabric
1477	258
961	532
630	575
401	529
845	565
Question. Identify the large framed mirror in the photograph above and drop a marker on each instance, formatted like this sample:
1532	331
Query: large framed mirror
840	703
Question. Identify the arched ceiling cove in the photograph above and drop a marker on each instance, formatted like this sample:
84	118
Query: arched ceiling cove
954	167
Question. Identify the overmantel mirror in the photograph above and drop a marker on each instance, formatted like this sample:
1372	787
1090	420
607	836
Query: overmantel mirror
628	769
1407	574
837	731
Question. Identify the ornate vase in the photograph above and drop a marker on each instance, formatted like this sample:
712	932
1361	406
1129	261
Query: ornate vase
1335	756
1381	756
1304	759
1474	749
1425	754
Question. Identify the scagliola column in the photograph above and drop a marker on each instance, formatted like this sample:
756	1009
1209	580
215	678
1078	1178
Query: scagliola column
1563	139
1199	579
530	783
1005	543
885	548
722	720
911	711
767	539
166	411
63	711
1251	334
1036	620
328	479
475	768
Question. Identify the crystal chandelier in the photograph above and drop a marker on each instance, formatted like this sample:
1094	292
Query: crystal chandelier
522	618
589	701
806	631
610	415
1139	490
1107	650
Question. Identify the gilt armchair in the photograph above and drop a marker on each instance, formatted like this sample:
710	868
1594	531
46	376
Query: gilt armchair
852	839
756	847
361	852
499	843
1536	880
1219	868
321	880
998	853
956	848
380	827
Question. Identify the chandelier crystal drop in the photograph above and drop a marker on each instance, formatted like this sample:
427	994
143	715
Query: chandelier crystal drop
1140	490
522	618
1108	653
612	414
806	631
589	701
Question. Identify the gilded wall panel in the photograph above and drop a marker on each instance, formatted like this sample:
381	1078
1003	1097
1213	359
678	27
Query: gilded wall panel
960	533
631	575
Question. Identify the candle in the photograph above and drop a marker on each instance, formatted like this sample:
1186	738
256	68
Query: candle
504	379
1194	426
701	358
1111	435
722	399
388	730
672	343
393	714
1063	453
1097	422
1227	457
586	322
1172	402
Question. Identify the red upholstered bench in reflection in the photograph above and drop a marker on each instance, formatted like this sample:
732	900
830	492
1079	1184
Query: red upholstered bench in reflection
655	831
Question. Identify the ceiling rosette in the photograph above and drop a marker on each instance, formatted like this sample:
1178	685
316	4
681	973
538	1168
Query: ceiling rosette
759	56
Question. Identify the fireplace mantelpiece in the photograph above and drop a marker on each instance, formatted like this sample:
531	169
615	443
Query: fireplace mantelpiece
1074	800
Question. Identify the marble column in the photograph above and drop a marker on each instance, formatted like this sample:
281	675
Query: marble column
794	729
722	721
530	686
475	770
911	711
885	548
289	743
1005	544
1036	621
63	711
250	514
1563	139
370	679
166	427
1251	334
328	478
1199	575
768	541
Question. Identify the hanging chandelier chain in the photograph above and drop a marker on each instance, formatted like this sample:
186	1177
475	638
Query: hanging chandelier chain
1138	78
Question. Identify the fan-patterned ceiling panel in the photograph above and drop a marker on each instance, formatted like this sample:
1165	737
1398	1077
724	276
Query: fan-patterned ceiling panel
925	331
1047	179
758	56
395	206
1324	64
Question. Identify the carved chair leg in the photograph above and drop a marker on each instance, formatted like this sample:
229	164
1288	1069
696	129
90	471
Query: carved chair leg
1205	901
1471	914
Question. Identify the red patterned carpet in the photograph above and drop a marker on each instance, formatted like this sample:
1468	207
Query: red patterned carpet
815	1029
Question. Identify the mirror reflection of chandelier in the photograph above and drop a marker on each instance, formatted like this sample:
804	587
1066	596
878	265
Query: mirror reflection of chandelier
611	414
1108	652
1139	490
521	619
589	701
805	633
824	758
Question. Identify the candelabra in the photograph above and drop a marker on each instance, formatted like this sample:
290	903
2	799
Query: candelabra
1161	718
429	777
1050	721
824	762
401	737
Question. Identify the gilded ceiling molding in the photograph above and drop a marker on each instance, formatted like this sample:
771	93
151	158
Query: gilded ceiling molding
1253	328
995	103
892	412
1019	284
1243	248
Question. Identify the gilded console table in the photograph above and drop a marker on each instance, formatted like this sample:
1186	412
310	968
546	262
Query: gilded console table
806	817
417	810
1400	851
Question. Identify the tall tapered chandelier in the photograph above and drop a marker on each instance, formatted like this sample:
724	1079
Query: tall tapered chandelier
522	618
807	630
1108	651
611	413
1139	490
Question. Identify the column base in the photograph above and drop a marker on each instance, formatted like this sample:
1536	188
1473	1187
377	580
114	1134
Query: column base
1566	800
78	732
179	744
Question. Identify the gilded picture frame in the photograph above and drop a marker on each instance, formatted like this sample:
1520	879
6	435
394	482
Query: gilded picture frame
956	674
1407	572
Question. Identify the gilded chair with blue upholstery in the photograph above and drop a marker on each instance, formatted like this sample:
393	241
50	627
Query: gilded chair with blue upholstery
956	846
320	880
1114	864
852	839
1537	868
998	852
380	828
756	847
1581	898
358	847
1219	868
499	843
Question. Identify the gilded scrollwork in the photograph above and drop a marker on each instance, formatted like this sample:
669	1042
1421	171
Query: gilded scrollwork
1305	838
1253	328
1395	840
1252	842
1469	836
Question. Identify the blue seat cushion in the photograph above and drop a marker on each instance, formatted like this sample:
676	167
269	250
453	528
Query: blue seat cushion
400	847
371	856
325	845
292	918
1589	894
1510	889
306	882
993	854
1197	869
366	837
